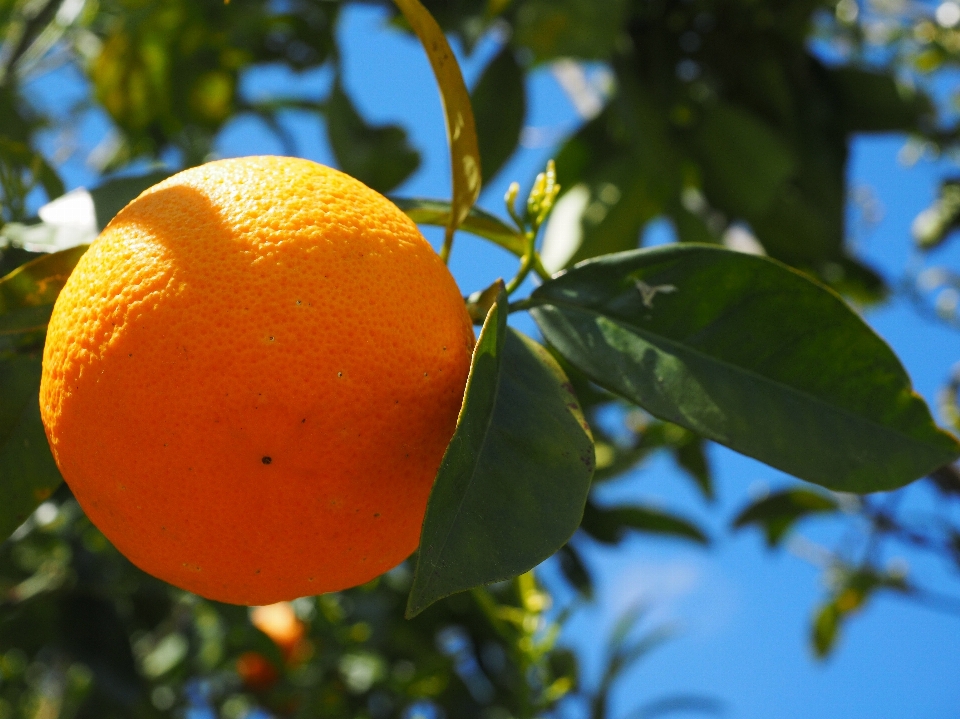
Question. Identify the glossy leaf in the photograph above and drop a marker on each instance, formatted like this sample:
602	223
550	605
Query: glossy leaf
777	513
751	354
500	105
457	111
512	485
378	156
28	474
609	525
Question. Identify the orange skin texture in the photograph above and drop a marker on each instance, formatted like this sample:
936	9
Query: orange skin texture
251	377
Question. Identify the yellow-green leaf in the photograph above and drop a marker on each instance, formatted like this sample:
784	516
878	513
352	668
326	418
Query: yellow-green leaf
461	127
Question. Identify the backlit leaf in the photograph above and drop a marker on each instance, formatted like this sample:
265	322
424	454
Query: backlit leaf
477	222
457	111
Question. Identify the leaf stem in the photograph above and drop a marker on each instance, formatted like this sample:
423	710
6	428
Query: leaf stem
526	263
447	244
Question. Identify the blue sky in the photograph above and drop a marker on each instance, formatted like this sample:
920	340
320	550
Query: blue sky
740	613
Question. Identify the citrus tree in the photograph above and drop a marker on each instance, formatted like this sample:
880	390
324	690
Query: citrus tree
721	118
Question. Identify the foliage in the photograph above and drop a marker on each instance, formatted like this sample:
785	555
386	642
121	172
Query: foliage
721	117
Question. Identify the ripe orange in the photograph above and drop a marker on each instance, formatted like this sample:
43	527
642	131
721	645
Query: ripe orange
250	379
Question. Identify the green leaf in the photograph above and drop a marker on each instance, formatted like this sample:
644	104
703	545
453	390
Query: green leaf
569	28
744	162
825	628
512	485
39	281
575	570
750	354
477	222
690	454
610	525
457	111
28	474
380	157
875	102
777	513
938	221
113	195
500	105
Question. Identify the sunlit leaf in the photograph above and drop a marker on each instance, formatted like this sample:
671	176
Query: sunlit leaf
477	222
751	354
39	281
458	113
512	485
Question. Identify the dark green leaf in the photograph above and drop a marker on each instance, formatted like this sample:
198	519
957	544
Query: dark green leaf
28	474
93	633
744	162
457	110
380	157
777	513
751	354
512	485
854	280
610	525
875	102
574	569
500	106
569	28
113	195
691	456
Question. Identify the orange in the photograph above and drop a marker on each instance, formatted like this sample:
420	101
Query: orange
280	623
251	377
256	672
